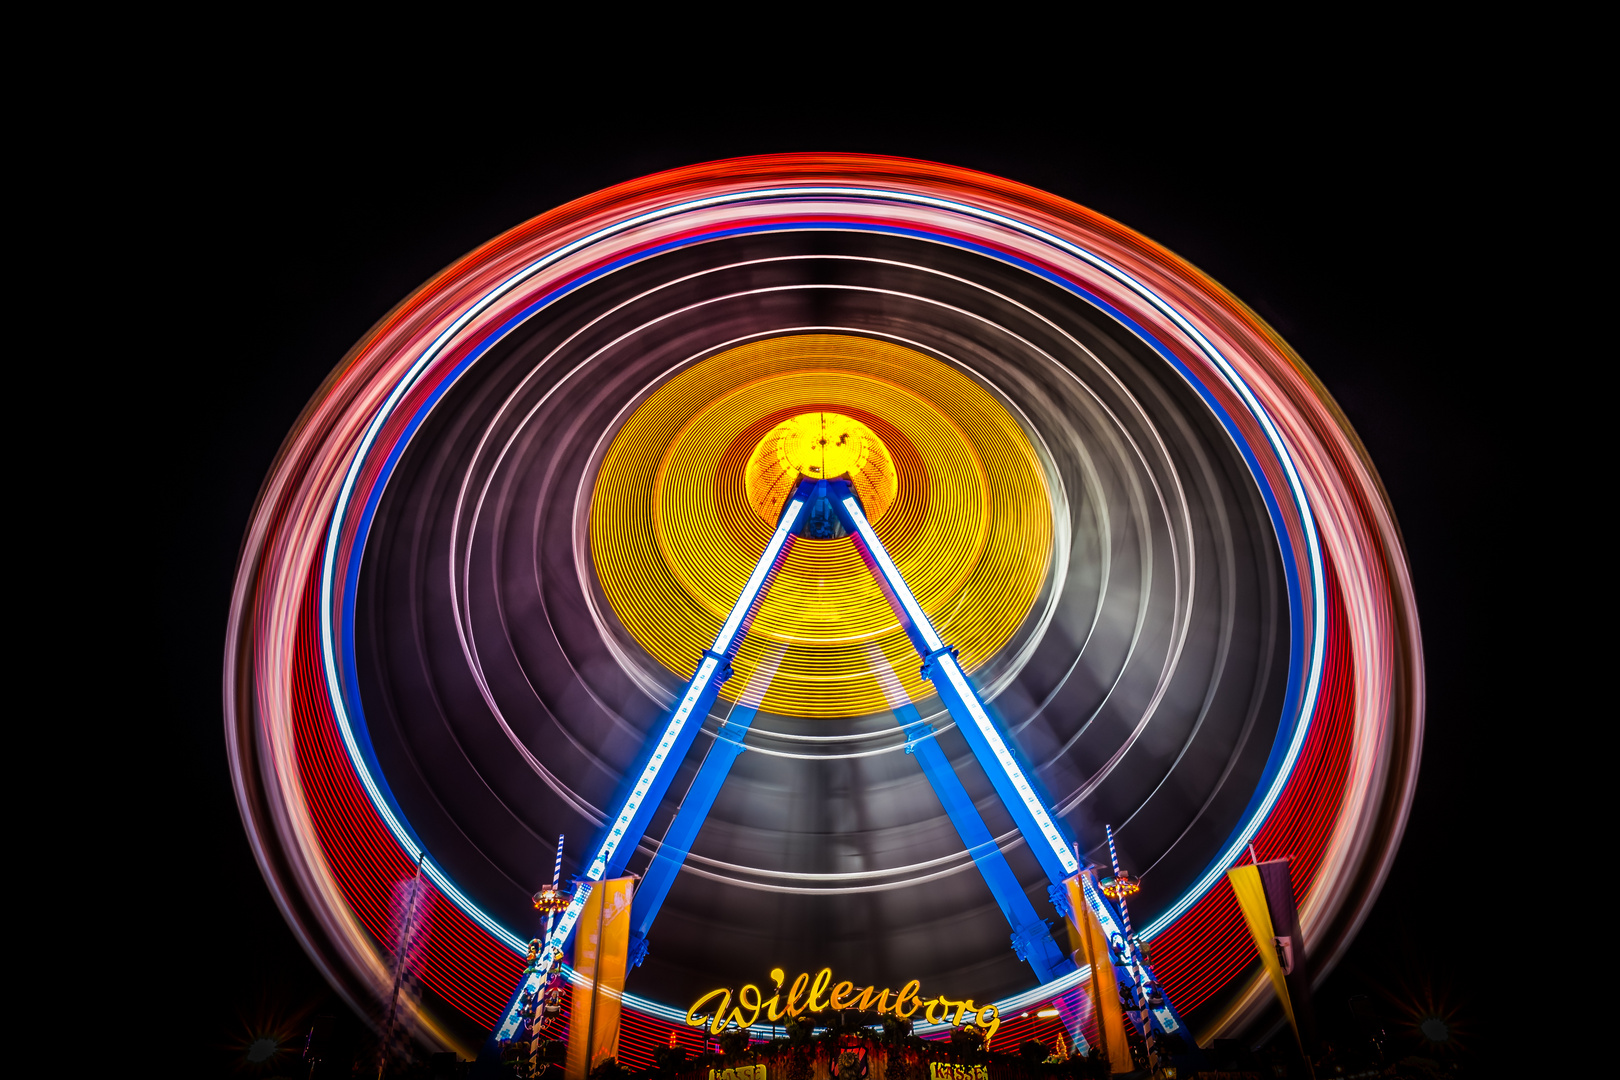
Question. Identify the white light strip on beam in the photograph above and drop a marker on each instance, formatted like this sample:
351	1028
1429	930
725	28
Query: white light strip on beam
746	600
953	671
693	693
644	781
896	582
1009	764
565	925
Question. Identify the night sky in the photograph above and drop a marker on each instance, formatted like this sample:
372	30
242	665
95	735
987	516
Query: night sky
1347	223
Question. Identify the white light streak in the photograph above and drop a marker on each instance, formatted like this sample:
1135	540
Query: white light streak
452	332
896	582
746	600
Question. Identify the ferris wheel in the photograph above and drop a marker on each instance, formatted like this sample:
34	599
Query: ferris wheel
852	550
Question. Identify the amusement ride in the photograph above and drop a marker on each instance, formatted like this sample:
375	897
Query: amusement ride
831	564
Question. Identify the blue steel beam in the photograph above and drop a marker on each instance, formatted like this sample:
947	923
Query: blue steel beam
1130	965
694	810
659	762
993	750
671	855
940	667
1030	938
654	780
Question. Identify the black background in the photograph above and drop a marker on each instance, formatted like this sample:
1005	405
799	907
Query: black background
282	225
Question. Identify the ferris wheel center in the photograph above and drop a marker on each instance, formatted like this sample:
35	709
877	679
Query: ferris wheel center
820	446
826	508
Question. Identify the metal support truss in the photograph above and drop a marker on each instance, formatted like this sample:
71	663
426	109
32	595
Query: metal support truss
1130	963
829	504
1030	937
694	810
940	667
651	776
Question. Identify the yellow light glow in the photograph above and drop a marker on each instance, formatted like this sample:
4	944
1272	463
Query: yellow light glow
687	496
714	1009
820	446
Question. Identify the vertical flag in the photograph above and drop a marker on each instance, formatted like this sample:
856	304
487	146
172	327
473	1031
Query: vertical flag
1093	950
1290	943
1266	895
601	949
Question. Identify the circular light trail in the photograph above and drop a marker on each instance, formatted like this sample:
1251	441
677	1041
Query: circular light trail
959	494
1066	322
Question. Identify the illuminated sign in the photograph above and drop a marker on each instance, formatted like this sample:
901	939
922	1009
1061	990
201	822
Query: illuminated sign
741	1072
809	995
948	1070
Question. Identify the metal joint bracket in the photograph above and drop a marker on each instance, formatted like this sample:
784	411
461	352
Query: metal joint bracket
1060	900
1027	939
723	735
637	951
928	661
916	734
722	669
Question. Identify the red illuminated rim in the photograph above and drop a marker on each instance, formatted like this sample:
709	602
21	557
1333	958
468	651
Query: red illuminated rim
332	845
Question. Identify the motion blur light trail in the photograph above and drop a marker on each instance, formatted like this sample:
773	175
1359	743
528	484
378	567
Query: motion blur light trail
485	558
675	534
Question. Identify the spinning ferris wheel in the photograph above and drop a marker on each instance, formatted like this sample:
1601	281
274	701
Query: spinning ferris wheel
839	546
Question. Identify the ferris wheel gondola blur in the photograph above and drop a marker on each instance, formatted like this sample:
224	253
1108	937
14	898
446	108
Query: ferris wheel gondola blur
498	543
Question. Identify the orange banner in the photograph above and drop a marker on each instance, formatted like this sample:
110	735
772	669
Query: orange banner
601	950
1092	949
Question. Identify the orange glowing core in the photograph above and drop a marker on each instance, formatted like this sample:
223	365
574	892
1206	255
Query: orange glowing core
820	446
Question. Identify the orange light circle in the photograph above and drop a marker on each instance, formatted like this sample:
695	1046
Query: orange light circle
820	445
675	534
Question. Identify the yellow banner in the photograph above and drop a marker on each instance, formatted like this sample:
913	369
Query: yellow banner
1092	945
1251	897
946	1070
601	949
741	1072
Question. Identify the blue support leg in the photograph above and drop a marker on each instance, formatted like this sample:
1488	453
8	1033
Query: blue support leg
671	855
993	750
1031	940
660	760
649	791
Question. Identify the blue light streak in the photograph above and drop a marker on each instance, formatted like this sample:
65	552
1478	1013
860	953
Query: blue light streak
953	672
440	343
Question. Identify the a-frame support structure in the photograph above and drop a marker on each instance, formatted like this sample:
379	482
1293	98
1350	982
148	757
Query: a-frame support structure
820	509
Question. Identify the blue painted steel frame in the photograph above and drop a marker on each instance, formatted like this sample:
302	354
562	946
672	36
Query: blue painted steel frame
654	771
1130	965
1012	779
651	776
1030	938
650	792
671	855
